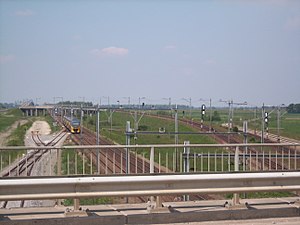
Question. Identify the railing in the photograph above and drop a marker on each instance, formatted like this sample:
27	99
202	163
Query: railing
119	159
147	185
131	159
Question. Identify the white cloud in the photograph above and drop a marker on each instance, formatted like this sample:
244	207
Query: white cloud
25	12
293	23
6	58
110	51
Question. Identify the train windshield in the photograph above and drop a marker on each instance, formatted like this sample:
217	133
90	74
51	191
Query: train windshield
75	123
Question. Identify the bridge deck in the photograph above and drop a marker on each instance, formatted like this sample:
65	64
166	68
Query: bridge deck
173	212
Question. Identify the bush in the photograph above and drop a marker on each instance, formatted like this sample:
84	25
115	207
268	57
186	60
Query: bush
216	116
143	128
235	129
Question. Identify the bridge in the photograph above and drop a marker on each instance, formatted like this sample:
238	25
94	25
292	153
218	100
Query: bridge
204	170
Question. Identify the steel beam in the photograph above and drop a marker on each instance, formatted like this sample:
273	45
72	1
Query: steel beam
137	185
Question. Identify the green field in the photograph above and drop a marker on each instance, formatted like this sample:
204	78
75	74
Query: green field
117	133
289	123
7	118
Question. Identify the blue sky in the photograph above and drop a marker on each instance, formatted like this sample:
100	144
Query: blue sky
240	50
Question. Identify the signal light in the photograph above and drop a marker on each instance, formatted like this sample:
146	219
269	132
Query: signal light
203	107
266	117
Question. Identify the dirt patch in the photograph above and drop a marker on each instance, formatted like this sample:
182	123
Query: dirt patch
5	134
42	127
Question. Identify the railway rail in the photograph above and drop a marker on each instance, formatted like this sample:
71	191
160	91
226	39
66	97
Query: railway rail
25	165
235	138
113	160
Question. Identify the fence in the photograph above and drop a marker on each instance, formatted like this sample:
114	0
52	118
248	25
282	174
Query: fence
119	159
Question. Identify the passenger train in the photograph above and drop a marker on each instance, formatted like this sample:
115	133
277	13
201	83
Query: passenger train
73	124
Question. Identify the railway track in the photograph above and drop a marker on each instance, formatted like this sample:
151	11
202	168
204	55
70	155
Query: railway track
25	165
113	160
235	138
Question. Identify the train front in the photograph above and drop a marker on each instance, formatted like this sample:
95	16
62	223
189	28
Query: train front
75	126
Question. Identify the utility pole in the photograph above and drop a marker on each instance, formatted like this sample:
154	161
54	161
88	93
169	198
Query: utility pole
230	114
229	102
170	107
190	105
98	139
140	98
176	139
190	108
278	124
186	166
128	130
136	122
255	125
245	130
128	98
262	123
210	115
81	119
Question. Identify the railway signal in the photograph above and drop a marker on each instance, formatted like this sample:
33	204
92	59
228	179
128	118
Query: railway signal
266	119
203	107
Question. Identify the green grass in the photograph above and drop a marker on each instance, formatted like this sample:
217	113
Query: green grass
90	201
253	195
17	136
289	123
8	117
72	163
146	124
53	125
15	139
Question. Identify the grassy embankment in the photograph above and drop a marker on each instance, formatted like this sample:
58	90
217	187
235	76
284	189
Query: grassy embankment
7	118
16	138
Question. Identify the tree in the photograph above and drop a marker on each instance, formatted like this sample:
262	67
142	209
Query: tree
293	108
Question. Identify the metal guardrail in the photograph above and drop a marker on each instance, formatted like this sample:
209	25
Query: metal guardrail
122	186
